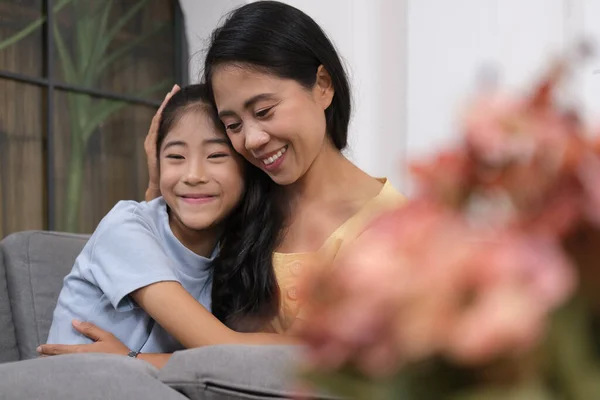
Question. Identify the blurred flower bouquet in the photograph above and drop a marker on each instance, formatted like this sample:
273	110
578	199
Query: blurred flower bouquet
486	284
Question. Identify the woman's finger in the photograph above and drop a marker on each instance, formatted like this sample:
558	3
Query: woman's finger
156	118
150	138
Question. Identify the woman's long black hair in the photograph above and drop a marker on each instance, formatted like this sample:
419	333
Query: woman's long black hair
244	292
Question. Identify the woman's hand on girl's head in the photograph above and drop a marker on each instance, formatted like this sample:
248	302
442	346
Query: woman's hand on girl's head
153	190
104	342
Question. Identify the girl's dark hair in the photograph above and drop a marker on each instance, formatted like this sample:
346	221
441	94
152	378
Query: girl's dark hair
188	98
245	294
281	40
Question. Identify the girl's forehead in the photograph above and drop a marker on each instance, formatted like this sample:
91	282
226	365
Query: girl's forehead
195	124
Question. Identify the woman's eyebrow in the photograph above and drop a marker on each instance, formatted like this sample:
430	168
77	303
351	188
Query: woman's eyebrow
248	103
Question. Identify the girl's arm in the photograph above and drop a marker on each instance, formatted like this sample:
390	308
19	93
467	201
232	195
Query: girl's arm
174	309
180	314
104	342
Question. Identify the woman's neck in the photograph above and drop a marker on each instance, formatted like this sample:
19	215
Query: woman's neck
201	242
328	174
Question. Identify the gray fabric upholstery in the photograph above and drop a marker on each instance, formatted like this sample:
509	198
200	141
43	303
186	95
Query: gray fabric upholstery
32	268
234	372
36	264
83	376
8	341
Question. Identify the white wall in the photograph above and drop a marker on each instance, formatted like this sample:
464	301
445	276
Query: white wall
366	33
369	36
450	43
582	20
201	17
415	63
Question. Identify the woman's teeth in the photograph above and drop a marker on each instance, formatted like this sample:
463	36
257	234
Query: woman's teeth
272	159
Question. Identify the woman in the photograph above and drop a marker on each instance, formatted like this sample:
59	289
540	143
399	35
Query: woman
283	96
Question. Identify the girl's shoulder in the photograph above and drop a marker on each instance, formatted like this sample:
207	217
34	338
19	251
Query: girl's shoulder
128	212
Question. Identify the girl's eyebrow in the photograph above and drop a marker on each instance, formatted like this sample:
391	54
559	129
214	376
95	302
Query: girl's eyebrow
216	141
174	143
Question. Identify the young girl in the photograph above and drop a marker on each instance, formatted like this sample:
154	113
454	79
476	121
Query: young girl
283	96
170	240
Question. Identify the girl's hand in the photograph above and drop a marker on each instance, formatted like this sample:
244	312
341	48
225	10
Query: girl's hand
105	342
153	190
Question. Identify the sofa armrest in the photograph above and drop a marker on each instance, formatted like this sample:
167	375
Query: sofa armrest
36	263
228	372
8	340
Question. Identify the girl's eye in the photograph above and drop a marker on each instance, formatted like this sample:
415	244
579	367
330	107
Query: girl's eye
263	113
233	127
175	156
218	155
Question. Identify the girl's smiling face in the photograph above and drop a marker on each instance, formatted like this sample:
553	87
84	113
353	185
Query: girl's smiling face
201	177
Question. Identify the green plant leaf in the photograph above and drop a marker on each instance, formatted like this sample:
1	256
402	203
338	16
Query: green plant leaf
534	390
31	27
349	384
573	359
128	46
65	58
85	25
122	21
108	107
97	54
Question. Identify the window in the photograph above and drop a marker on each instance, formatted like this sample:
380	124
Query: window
79	83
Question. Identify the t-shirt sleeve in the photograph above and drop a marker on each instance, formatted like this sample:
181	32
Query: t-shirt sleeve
127	255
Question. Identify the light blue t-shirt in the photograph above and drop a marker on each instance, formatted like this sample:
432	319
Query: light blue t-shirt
132	247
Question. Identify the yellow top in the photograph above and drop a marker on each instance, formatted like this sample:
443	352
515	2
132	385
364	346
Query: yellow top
289	266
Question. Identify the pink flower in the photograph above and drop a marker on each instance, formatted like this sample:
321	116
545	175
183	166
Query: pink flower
379	283
493	129
446	179
472	267
516	281
416	284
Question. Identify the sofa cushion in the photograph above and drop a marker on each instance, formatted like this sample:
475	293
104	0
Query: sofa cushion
228	372
36	263
83	376
8	342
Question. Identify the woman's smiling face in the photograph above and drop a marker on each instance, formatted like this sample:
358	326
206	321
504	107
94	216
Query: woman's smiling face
276	124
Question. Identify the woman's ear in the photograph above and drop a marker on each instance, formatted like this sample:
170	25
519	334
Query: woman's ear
323	90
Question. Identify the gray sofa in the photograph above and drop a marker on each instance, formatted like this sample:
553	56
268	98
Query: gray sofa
32	267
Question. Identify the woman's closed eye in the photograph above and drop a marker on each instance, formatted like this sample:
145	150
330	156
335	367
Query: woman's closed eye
234	127
265	112
175	156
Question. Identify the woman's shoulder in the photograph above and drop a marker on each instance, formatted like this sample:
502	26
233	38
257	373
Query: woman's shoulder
388	193
387	198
